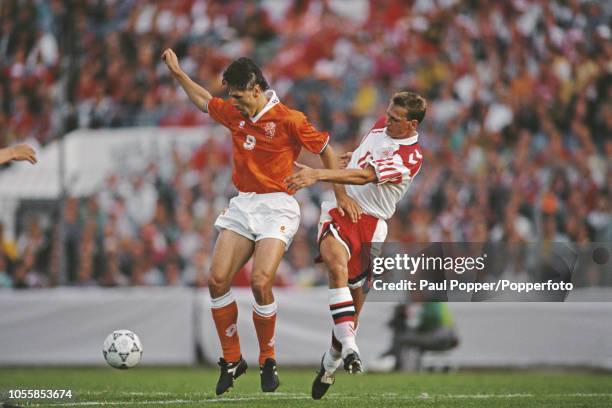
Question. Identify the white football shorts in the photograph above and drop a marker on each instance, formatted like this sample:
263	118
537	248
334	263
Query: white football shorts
258	216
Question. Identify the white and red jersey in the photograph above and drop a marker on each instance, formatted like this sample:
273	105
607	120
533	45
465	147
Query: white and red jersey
396	162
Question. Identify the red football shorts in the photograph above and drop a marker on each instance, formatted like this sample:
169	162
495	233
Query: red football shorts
359	239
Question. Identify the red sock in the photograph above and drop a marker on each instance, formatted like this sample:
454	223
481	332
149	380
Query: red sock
225	318
264	319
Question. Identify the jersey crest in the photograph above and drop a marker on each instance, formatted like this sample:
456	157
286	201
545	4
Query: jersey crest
386	152
269	128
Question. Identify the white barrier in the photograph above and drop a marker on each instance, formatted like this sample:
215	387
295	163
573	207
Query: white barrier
67	326
90	155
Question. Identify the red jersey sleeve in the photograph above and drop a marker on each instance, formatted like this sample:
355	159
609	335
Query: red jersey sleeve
220	110
309	137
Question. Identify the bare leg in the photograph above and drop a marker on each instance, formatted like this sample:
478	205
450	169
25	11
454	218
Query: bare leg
231	252
267	256
341	305
359	299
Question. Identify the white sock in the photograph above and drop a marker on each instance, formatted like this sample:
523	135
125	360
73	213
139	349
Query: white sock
342	310
332	360
265	310
345	333
222	301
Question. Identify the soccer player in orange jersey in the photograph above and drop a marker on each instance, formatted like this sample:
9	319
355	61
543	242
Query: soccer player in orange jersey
261	221
18	152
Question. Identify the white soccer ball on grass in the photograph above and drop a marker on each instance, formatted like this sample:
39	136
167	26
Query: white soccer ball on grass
122	349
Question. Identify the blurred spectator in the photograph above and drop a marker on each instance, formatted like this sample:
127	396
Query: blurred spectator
517	141
8	248
5	279
196	272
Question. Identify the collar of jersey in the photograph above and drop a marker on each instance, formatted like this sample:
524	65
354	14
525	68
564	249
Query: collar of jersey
272	100
407	141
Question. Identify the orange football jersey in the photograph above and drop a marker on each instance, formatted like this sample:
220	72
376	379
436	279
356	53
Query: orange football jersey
264	147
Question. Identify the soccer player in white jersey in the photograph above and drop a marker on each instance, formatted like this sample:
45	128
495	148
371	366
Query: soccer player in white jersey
378	174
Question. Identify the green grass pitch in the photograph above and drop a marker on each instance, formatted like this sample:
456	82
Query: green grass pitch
192	387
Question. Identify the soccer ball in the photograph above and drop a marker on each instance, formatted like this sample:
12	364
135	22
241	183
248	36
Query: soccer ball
122	349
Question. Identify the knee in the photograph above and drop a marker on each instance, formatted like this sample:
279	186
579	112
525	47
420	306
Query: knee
260	284
337	268
338	272
217	285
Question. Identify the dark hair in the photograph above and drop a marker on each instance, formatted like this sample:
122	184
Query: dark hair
414	103
244	74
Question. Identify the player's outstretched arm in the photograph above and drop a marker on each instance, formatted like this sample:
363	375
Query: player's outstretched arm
197	94
308	176
18	152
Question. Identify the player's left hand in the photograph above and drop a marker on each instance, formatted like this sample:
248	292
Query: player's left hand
346	205
307	176
171	60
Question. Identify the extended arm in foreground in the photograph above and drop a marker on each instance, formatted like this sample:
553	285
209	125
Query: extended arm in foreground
308	176
18	152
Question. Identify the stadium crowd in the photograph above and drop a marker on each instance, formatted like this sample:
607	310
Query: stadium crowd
517	138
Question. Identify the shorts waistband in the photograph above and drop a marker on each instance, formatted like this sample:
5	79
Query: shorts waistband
263	195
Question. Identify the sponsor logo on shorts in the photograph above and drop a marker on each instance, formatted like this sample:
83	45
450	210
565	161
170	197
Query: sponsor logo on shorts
283	229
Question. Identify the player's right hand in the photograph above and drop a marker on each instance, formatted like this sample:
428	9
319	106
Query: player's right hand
22	152
344	160
303	178
347	205
171	60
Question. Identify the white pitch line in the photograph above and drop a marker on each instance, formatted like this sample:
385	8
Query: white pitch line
201	393
93	403
129	393
300	396
518	395
580	394
165	402
472	396
254	397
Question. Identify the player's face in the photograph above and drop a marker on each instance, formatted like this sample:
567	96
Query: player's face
245	100
398	126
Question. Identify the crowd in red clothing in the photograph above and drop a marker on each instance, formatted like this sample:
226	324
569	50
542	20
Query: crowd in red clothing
517	139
